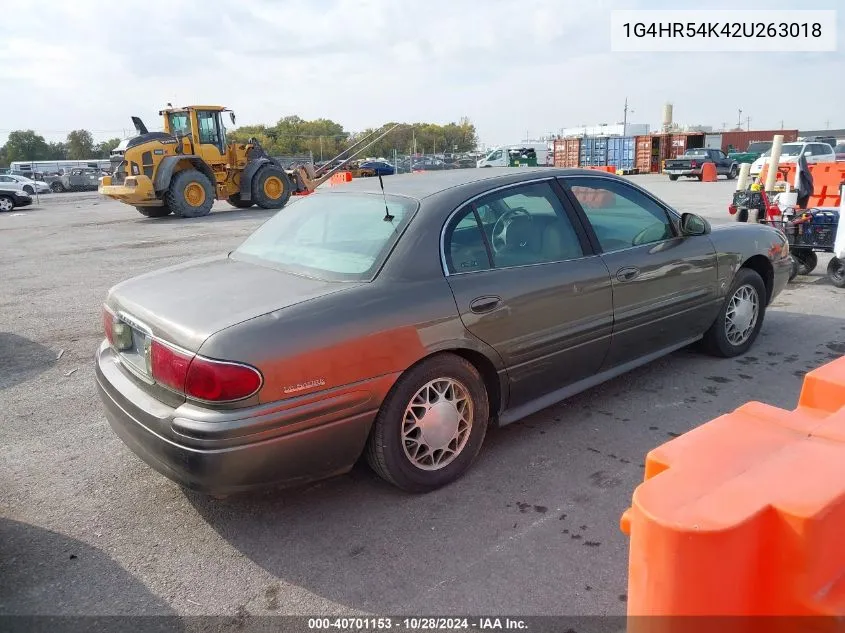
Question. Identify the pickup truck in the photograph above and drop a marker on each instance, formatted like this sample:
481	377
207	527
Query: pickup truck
689	165
754	151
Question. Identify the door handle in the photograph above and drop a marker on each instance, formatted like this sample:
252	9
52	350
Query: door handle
627	274
484	304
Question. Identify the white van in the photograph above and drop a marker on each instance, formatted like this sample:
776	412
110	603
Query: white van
790	152
500	156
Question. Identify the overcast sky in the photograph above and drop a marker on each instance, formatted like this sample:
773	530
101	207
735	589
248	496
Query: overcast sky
511	66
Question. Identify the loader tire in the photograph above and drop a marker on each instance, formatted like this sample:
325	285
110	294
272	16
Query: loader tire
154	212
235	201
271	187
190	194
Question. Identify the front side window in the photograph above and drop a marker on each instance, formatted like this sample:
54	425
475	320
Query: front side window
621	216
332	236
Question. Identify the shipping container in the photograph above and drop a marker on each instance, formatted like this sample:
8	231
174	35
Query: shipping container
621	152
567	152
652	150
739	141
680	143
713	141
593	151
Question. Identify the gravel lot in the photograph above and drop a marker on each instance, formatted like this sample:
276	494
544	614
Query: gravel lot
87	528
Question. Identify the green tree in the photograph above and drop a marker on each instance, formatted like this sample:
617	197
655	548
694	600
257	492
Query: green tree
80	145
56	151
103	150
25	145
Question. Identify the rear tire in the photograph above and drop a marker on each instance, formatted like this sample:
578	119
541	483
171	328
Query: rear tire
732	173
154	212
738	324
29	189
836	272
57	187
793	272
190	194
673	177
448	388
271	187
6	203
742	215
235	201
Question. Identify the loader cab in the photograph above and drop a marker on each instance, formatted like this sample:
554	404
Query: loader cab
203	129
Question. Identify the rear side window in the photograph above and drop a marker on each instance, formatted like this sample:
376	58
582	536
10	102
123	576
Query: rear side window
332	236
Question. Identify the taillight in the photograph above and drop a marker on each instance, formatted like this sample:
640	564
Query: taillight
202	378
218	381
108	325
693	163
169	366
732	209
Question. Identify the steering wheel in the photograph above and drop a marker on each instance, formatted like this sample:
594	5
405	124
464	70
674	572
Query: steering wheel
651	233
500	228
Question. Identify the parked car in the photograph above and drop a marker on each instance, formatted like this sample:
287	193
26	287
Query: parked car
11	198
692	161
790	152
839	150
27	184
81	179
376	168
400	325
752	153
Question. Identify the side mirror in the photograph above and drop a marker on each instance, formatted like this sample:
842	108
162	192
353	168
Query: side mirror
232	117
692	224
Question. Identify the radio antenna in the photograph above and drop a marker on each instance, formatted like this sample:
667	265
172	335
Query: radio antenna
387	216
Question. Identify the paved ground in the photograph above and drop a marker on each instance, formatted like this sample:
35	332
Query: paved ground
85	527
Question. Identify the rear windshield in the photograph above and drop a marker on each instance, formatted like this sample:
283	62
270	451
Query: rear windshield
788	149
697	152
332	236
760	147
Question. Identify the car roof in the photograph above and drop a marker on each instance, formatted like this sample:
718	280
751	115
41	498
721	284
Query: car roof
423	185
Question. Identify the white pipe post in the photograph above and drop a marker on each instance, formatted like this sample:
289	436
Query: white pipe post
774	161
742	182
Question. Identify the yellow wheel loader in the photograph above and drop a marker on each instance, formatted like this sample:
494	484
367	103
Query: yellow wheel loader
189	165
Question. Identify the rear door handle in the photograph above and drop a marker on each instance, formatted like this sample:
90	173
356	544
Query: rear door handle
484	304
627	274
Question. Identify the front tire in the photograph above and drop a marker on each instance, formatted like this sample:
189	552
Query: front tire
732	173
836	272
29	189
431	425
57	187
190	194
271	187
741	317
6	203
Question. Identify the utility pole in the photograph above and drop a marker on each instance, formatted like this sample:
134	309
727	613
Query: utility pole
827	124
625	119
781	124
739	119
748	124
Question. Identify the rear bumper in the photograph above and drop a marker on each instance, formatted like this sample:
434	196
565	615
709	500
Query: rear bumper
223	452
682	172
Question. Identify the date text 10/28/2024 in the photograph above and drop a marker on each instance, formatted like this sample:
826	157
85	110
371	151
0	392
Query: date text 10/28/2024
416	624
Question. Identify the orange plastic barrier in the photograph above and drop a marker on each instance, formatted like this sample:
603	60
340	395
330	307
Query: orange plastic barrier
708	172
745	515
341	177
826	180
